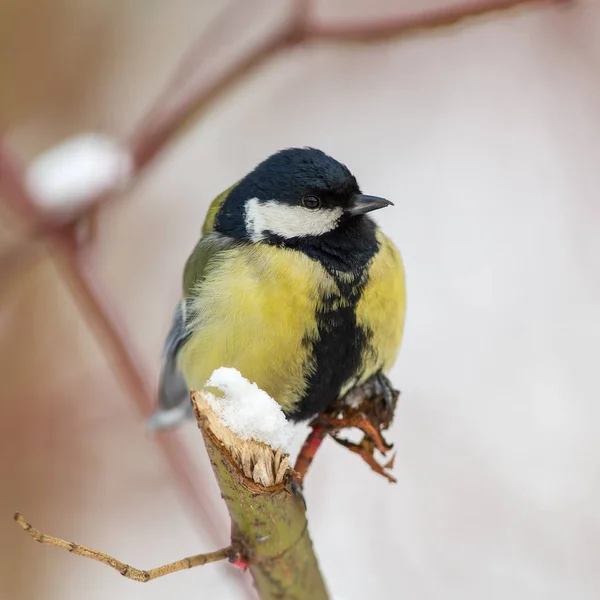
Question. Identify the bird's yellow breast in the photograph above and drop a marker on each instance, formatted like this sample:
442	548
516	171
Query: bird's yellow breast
258	310
382	307
255	312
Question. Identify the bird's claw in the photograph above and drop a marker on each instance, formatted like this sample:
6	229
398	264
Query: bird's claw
358	420
384	389
365	451
369	408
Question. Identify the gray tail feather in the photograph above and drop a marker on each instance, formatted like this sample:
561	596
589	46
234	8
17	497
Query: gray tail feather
174	405
161	420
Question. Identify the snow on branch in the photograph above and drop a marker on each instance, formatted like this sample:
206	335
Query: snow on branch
249	424
248	411
77	171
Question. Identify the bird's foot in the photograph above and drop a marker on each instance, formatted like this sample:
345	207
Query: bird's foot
369	408
366	451
384	389
359	420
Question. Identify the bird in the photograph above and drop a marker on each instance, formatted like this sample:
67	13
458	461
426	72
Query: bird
293	284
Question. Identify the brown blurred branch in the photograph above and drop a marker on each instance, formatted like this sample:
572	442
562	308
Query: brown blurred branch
394	27
119	345
125	360
126	570
188	94
161	125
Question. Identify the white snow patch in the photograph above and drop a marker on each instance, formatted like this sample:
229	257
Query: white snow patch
74	172
249	411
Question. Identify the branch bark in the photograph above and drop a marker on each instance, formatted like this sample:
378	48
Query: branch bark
267	510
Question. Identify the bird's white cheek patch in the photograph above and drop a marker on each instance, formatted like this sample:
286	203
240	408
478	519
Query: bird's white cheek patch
288	221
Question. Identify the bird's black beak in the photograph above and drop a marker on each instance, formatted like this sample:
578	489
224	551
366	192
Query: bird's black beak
361	204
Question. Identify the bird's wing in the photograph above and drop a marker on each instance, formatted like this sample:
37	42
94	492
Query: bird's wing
213	210
173	394
174	405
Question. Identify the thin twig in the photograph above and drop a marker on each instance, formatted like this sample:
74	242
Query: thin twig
126	570
394	27
309	450
153	136
13	192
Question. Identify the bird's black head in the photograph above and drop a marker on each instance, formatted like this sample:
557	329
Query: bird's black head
295	193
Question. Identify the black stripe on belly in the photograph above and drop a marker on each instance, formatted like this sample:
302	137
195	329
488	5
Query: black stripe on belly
337	352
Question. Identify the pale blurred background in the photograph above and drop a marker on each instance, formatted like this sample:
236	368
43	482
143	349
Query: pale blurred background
487	137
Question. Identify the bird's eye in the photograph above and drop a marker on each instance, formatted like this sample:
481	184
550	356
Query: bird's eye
311	202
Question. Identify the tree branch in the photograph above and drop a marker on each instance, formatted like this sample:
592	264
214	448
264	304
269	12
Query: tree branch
126	570
267	511
309	449
176	108
396	27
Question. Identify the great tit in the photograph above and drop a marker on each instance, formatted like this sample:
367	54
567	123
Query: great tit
292	284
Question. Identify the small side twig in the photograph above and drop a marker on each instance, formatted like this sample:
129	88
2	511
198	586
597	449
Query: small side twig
126	570
309	450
